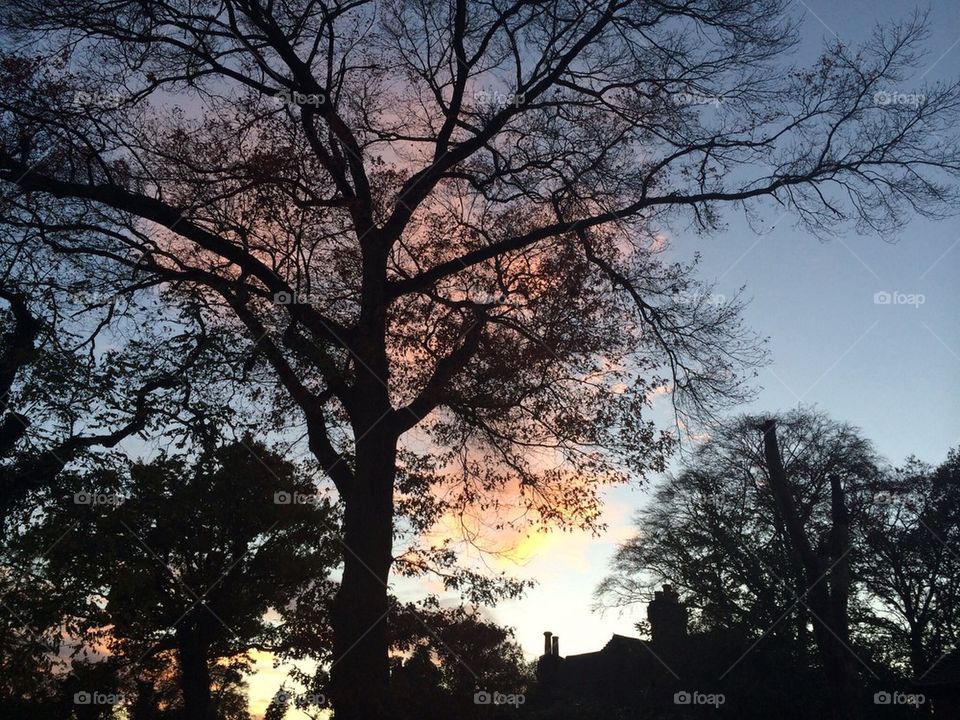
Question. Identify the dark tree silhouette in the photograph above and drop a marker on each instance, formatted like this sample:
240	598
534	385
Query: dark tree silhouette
182	559
719	531
445	656
714	529
909	567
60	399
826	569
440	215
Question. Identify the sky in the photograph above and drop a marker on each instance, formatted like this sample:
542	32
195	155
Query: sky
890	368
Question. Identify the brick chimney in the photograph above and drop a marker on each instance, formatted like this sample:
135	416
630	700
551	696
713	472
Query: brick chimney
547	647
668	620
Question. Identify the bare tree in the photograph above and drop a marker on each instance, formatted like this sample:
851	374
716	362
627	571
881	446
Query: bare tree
714	530
826	569
443	215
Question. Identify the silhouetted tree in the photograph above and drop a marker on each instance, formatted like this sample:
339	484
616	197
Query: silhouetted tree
183	556
445	656
909	566
717	531
441	215
825	560
64	396
714	529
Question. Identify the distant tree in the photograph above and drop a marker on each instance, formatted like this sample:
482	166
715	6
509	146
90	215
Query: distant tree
444	216
444	656
910	567
824	558
717	532
185	556
713	529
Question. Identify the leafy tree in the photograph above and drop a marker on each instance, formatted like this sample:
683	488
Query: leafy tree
69	388
185	556
909	567
446	656
442	215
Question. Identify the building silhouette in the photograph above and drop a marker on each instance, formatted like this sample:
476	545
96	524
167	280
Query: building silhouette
666	676
627	672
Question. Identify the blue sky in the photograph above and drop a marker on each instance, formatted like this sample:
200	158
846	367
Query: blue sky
891	369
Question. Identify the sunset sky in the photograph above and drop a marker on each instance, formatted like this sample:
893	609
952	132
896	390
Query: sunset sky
322	324
891	369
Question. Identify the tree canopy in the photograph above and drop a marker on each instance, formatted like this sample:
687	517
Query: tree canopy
437	225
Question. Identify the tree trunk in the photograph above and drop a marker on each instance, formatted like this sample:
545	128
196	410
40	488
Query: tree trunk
145	706
827	582
918	651
360	674
194	673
